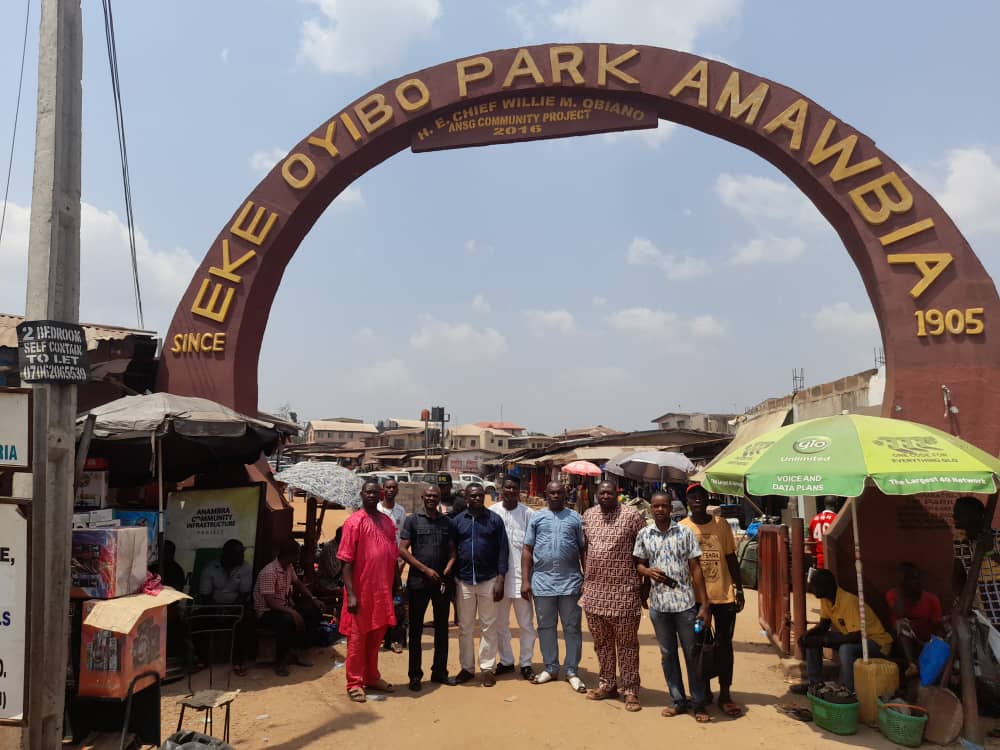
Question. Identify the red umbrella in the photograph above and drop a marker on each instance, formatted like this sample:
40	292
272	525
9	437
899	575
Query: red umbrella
582	469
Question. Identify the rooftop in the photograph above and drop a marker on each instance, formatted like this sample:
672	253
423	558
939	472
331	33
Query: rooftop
94	333
508	426
474	430
341	426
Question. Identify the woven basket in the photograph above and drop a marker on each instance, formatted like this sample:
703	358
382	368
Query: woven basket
900	728
839	718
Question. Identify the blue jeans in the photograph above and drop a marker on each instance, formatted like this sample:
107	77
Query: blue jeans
848	653
669	626
547	609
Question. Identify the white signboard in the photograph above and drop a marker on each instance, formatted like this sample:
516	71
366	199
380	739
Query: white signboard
15	435
13	609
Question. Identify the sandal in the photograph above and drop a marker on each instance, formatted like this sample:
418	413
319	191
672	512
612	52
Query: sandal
677	710
602	693
632	703
381	685
239	670
730	709
397	647
357	695
576	683
701	715
541	678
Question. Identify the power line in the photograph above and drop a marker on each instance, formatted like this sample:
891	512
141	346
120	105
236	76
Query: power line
109	34
17	110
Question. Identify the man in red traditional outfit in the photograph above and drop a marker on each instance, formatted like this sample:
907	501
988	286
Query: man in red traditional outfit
368	551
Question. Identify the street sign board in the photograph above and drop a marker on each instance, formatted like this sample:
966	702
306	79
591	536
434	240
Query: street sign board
50	351
13	609
15	429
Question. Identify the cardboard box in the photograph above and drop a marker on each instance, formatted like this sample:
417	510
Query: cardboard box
81	520
100	516
122	638
147	519
108	563
93	490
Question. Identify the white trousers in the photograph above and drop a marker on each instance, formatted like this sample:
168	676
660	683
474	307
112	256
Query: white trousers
525	615
473	599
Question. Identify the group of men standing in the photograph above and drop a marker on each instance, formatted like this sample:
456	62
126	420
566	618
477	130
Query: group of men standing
549	566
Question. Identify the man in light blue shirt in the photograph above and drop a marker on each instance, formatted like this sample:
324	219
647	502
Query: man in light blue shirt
551	574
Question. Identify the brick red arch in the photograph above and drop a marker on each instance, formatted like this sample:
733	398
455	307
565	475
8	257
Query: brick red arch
934	302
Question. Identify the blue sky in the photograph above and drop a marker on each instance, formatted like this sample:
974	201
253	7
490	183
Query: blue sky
604	279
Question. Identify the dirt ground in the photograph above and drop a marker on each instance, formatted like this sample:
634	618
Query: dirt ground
310	708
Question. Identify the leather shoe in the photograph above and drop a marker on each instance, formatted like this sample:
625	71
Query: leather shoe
462	677
527	673
489	679
416	686
503	669
442	679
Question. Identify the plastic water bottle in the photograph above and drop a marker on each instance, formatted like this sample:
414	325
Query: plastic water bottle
699	625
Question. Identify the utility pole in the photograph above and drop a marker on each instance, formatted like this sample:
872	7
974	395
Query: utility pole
53	294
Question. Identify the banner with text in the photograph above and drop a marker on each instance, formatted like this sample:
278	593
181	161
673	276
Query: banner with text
13	609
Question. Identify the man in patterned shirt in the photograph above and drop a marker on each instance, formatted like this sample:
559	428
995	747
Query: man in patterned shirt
669	556
970	521
611	597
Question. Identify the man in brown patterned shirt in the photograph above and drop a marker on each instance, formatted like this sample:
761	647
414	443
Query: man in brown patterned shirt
611	594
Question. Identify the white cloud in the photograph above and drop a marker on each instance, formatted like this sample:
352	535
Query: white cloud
364	335
553	320
224	55
761	199
599	301
350	198
386	379
105	270
667	23
841	318
457	341
645	322
357	37
475	247
480	304
642	252
523	20
707	325
769	249
263	161
970	192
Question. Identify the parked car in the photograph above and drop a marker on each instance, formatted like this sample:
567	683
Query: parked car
465	479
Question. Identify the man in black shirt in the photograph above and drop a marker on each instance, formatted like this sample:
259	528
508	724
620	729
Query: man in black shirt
427	543
451	504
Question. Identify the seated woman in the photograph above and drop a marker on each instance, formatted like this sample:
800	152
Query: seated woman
329	582
915	615
229	580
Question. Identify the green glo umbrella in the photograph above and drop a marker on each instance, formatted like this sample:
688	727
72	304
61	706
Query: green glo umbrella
839	455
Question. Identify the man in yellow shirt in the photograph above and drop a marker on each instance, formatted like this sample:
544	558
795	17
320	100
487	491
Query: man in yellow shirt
839	628
724	585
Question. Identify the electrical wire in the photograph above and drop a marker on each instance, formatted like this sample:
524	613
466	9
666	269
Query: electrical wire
17	110
109	34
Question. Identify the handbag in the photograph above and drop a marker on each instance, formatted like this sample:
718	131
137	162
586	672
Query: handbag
705	663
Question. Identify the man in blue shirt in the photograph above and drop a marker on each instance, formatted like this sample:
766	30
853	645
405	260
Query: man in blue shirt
482	564
551	574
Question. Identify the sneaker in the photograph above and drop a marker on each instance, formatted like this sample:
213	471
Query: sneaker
503	669
462	677
527	673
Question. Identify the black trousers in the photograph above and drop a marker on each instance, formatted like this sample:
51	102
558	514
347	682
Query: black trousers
419	599
286	637
724	620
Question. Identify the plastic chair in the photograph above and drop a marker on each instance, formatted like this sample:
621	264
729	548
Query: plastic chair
205	623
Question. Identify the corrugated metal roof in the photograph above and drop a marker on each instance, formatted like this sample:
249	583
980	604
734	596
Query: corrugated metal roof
94	333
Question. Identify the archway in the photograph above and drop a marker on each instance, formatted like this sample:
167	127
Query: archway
931	296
